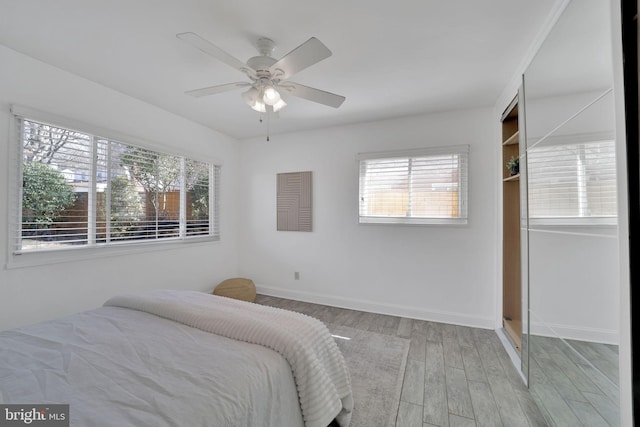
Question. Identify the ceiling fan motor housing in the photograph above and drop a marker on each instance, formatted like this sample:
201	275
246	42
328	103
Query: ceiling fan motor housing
261	64
265	46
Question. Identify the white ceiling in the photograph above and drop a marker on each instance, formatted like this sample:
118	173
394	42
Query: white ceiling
390	59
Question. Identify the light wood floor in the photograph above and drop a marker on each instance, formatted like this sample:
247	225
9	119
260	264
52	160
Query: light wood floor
570	390
455	376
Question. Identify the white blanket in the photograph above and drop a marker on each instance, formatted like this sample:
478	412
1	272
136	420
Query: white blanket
118	367
319	370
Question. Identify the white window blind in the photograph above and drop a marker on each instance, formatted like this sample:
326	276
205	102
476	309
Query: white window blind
572	181
200	194
56	172
427	186
79	189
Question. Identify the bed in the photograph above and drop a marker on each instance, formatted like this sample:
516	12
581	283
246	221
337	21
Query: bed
178	358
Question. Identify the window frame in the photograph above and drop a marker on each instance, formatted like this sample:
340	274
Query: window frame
409	154
18	258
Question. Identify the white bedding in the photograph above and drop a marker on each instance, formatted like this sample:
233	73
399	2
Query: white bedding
319	370
122	367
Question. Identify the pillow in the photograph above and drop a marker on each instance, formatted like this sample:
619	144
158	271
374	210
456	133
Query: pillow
237	288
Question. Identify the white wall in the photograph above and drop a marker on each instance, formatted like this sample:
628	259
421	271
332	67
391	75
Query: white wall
30	294
558	115
574	284
443	273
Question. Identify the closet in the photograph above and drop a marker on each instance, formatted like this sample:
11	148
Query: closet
511	271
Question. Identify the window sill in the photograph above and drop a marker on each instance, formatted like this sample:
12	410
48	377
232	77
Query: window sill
83	252
412	221
594	227
591	222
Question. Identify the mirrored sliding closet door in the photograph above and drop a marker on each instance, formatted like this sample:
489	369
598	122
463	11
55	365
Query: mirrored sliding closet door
569	224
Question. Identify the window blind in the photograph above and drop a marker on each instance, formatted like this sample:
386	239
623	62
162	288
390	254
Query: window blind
56	170
576	180
418	187
81	189
201	190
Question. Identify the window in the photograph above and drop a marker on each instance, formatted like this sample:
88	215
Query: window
427	186
573	182
77	189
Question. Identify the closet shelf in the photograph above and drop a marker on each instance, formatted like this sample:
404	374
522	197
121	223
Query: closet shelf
513	139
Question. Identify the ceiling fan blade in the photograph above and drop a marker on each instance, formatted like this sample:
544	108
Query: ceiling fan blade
305	55
312	94
212	90
209	48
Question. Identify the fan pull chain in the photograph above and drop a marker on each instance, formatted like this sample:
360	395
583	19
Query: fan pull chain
268	125
268	122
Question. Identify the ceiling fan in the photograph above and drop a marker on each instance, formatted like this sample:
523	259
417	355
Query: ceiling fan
269	77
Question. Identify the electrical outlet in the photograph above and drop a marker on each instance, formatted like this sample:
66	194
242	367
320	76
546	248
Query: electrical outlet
296	275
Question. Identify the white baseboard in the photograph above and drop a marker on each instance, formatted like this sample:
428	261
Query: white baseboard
602	336
376	307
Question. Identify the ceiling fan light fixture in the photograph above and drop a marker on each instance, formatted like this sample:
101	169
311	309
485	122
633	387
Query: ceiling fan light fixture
271	96
279	105
258	106
250	96
257	99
